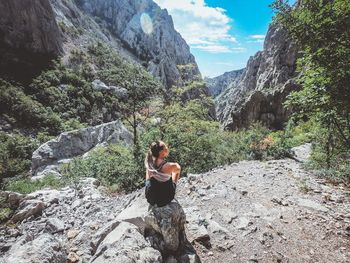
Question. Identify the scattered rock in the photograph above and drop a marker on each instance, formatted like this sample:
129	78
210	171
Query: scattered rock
27	209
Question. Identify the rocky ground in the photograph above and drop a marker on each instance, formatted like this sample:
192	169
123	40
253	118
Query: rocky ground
250	211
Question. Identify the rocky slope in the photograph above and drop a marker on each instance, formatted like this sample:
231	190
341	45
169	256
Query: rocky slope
250	211
269	77
220	83
29	37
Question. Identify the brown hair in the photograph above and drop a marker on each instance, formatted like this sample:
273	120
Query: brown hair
153	152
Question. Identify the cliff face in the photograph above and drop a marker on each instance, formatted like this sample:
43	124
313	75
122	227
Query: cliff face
263	86
34	32
29	37
148	32
220	83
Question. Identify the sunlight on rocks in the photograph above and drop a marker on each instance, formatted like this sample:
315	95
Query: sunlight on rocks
146	23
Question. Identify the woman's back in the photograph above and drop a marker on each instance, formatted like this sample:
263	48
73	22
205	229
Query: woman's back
161	177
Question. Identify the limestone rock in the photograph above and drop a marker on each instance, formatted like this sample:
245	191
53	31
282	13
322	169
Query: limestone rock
54	225
45	248
126	244
159	47
270	75
220	83
30	37
169	222
28	208
78	142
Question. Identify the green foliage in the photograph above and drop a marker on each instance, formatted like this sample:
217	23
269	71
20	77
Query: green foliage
198	144
25	110
5	213
321	28
114	166
26	185
15	154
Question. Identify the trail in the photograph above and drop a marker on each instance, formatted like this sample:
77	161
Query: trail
271	211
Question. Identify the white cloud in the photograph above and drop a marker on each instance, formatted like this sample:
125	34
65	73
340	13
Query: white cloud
203	27
257	36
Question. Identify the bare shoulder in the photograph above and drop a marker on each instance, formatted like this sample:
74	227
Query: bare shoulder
172	165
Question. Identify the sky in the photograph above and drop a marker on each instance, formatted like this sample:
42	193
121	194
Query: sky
222	34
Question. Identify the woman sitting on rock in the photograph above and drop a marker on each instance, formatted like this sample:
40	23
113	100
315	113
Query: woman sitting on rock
161	176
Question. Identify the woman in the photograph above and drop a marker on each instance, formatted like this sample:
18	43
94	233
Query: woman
161	176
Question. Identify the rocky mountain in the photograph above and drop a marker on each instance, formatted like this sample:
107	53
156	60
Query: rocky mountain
220	83
140	30
258	95
249	211
29	37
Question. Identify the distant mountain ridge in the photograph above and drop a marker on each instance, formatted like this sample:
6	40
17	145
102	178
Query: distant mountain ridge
220	83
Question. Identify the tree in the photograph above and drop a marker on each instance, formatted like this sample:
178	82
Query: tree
321	29
142	88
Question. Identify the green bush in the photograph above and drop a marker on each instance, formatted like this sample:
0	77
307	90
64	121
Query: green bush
114	166
15	154
26	185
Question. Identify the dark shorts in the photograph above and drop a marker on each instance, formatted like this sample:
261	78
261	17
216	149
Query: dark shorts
159	193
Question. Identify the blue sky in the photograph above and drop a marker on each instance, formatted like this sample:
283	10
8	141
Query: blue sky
222	34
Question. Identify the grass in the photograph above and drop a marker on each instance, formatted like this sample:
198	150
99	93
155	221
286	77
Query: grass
26	185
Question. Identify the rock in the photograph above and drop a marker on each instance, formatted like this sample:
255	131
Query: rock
44	248
262	88
196	227
30	38
220	83
168	221
243	223
311	204
121	93
14	199
72	233
75	143
54	225
72	257
129	246
161	50
27	209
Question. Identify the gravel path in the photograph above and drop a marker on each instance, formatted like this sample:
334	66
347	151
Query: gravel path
270	211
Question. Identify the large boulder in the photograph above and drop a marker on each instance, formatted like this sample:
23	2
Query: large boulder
156	228
76	143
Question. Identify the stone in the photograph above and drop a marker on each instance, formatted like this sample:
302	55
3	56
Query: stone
220	83
169	222
227	215
44	248
76	143
72	233
54	225
259	93
27	209
125	243
243	223
311	204
72	257
30	38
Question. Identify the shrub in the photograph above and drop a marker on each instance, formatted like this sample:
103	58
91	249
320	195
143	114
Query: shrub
26	185
114	166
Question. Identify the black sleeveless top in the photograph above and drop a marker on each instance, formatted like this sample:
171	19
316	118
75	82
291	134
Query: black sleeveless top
160	193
